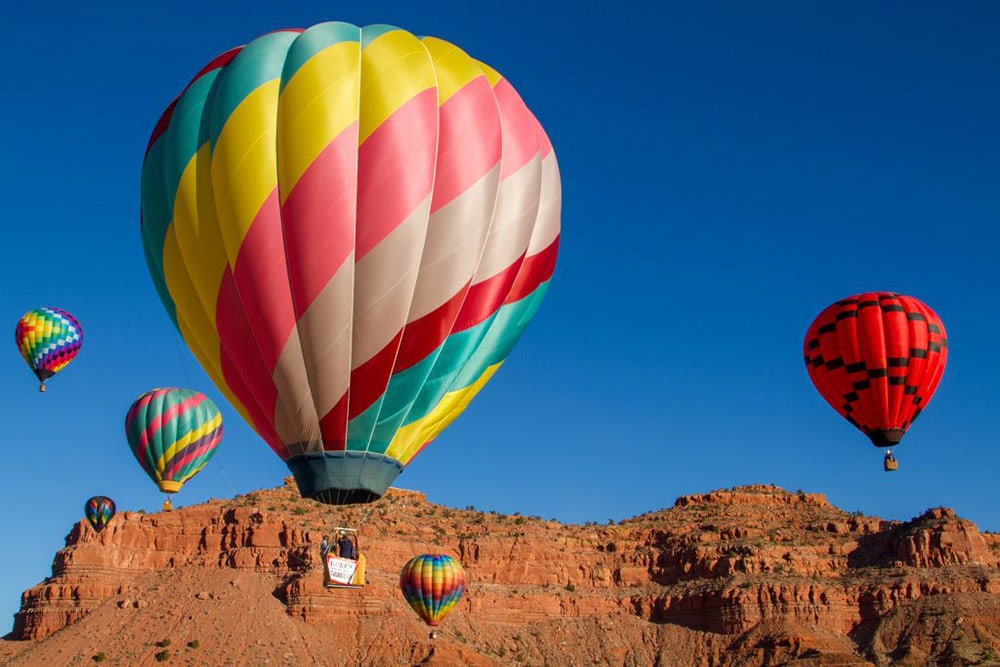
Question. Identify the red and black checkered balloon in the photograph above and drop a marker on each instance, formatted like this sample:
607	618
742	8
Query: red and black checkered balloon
877	359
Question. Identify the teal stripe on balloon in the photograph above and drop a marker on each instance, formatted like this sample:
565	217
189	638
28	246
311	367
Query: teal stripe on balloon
162	169
156	215
372	32
316	39
456	364
259	62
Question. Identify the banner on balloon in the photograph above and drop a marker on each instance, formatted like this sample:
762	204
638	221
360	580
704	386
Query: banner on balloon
340	570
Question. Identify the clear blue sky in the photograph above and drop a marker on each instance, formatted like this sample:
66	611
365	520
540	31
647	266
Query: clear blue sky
729	169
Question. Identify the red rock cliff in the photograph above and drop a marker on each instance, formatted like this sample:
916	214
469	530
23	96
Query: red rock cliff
748	576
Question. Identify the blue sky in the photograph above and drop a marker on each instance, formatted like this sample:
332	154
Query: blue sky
729	170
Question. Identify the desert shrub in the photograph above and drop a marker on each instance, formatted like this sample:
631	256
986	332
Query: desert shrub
100	657
162	656
163	643
194	643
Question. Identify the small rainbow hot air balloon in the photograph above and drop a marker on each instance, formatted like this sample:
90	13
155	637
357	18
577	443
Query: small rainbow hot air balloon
432	585
99	510
173	434
48	338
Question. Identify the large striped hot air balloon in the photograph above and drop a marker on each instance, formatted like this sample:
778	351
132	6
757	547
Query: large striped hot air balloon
432	585
351	227
877	358
48	338
173	433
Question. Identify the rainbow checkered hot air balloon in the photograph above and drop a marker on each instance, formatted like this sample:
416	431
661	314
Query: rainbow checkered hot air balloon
99	510
173	434
48	338
432	585
351	228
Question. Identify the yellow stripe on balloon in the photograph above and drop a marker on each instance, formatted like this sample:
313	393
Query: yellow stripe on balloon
317	104
410	438
196	230
194	322
243	164
186	440
492	75
454	68
394	69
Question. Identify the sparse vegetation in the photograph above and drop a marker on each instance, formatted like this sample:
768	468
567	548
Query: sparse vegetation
162	656
570	587
194	643
100	657
163	643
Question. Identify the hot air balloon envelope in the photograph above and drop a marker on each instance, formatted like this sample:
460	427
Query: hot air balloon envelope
99	510
351	228
432	585
48	338
173	433
877	358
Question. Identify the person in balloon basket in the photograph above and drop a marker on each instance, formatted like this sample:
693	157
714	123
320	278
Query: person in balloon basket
890	461
324	547
345	547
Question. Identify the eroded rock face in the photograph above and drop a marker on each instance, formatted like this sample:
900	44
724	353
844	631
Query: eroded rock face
749	576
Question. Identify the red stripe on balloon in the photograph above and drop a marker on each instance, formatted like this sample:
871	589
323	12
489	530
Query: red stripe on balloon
486	297
333	426
163	123
535	270
319	218
368	380
424	335
396	169
469	144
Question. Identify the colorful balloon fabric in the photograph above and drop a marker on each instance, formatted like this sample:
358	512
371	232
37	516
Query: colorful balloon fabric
432	585
877	359
351	228
173	434
48	338
99	511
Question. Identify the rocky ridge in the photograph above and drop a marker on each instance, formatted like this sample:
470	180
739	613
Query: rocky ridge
749	576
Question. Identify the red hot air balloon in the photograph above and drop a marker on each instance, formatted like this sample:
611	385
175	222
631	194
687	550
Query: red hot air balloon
877	358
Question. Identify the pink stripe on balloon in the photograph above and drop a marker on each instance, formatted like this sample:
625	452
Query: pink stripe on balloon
242	366
520	129
396	169
469	144
154	424
261	275
318	217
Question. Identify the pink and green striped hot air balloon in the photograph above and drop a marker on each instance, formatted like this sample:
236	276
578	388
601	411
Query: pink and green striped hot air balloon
48	339
173	434
432	585
351	228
